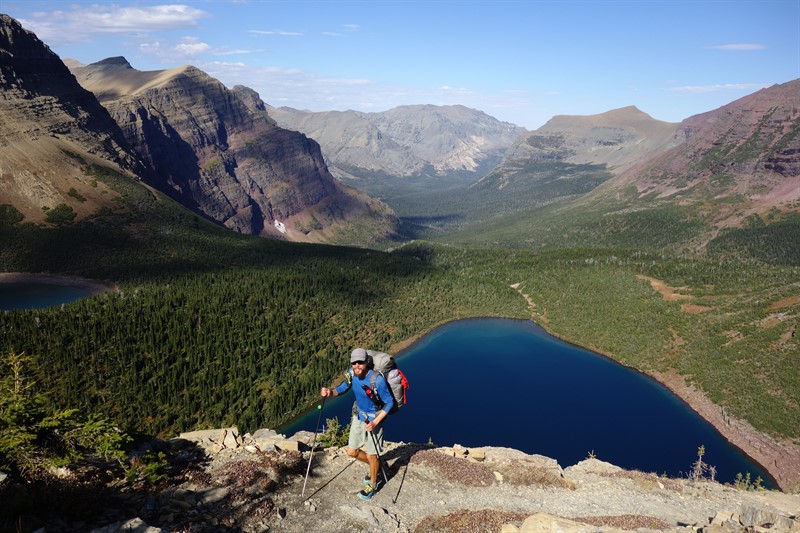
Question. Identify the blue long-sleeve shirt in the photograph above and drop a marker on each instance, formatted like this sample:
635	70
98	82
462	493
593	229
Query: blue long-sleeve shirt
363	403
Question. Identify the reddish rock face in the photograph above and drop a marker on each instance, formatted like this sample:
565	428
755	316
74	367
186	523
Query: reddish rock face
748	150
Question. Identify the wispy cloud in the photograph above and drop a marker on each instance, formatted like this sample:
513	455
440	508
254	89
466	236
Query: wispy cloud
739	47
274	32
80	23
704	89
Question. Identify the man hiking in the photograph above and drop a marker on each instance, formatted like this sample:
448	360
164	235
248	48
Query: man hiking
370	409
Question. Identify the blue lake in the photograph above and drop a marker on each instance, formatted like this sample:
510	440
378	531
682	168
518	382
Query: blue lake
33	295
499	382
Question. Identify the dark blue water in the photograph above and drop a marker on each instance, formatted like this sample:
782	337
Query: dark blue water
508	383
30	295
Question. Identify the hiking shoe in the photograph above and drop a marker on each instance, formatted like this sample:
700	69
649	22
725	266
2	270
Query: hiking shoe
368	492
368	480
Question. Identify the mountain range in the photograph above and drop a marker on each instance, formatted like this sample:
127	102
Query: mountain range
640	177
179	131
412	141
283	173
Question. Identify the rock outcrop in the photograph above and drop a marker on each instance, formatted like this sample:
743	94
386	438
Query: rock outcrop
223	157
247	487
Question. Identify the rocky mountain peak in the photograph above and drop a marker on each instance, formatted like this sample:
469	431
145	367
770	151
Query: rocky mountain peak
51	122
215	151
411	140
615	140
117	61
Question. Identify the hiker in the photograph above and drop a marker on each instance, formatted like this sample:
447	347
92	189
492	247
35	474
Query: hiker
366	427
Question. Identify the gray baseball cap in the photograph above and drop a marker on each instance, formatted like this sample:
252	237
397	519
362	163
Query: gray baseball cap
359	354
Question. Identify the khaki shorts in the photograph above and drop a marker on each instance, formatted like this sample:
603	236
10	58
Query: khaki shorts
360	438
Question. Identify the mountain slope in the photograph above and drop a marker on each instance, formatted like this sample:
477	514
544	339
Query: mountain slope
50	125
407	141
617	138
566	158
744	158
606	144
735	167
207	149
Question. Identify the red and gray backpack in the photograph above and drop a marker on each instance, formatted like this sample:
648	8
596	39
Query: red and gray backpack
384	364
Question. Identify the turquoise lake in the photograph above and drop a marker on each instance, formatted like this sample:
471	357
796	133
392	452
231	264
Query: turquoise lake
500	382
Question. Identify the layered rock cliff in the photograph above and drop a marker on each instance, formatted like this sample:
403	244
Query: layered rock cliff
49	128
223	157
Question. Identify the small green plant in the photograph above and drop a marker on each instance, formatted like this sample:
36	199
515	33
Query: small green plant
744	483
34	437
75	194
334	435
700	468
60	214
591	455
148	469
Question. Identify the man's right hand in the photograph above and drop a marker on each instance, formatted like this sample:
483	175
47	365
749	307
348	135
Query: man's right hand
325	391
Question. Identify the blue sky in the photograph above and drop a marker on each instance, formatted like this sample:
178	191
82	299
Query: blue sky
521	61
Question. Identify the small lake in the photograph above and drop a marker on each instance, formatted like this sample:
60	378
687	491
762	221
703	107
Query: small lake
34	295
508	383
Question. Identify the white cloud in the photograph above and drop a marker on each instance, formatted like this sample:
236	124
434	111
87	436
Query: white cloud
274	32
704	89
80	23
739	47
191	47
231	52
168	53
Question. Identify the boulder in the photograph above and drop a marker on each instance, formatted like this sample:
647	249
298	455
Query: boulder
213	440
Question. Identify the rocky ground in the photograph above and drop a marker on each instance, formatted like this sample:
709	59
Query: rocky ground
226	483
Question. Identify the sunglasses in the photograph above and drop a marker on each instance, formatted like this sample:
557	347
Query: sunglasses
358	362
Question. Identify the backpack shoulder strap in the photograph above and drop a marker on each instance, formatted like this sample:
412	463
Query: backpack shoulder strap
373	378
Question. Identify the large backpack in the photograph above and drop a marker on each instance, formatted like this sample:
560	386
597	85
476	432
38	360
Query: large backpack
384	364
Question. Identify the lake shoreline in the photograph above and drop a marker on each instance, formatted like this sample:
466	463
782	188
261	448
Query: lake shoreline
92	286
778	457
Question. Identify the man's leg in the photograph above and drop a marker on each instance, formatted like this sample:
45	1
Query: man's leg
374	466
362	456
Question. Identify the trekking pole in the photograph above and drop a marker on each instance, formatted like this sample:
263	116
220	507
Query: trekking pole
378	452
313	442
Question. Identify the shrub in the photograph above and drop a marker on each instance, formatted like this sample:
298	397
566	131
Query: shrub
334	435
35	437
60	214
